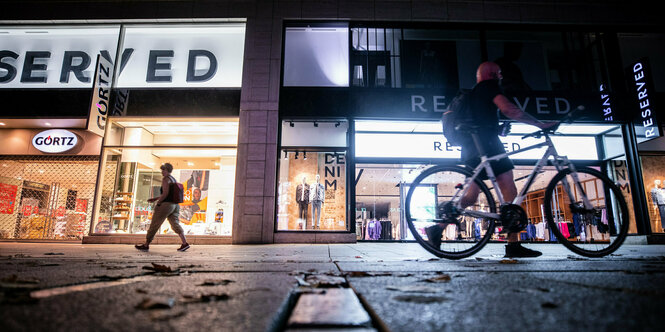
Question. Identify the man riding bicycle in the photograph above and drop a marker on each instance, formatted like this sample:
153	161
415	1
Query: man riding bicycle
485	97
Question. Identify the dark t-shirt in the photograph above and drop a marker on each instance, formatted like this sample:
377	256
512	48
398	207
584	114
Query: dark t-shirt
483	110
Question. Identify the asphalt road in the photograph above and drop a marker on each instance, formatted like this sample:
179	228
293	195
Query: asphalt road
58	287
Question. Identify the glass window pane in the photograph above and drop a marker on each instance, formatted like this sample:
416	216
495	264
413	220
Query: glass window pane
653	172
316	57
311	193
132	176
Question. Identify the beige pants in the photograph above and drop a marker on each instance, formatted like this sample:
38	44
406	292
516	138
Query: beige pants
164	210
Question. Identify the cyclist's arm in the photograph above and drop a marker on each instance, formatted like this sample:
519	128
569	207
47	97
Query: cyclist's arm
511	111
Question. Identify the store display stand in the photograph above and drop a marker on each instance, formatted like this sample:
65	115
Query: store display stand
122	208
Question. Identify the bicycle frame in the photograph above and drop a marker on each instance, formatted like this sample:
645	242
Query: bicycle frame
559	162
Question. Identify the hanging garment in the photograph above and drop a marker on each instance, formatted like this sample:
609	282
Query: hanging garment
577	223
531	232
316	213
476	229
603	216
540	230
563	227
571	229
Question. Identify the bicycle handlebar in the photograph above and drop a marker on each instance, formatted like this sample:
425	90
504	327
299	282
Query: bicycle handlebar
566	119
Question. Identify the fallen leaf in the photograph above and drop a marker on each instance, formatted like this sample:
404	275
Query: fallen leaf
142	291
107	278
205	298
359	256
156	302
158	268
368	274
439	279
164	316
413	289
549	305
508	261
420	298
54	253
577	258
324	281
480	259
433	259
213	282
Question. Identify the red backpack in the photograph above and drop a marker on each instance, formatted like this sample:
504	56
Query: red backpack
176	192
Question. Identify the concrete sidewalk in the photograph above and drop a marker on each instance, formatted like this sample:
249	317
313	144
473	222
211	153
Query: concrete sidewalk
249	287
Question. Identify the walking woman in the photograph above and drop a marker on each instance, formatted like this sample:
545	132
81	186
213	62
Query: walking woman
166	207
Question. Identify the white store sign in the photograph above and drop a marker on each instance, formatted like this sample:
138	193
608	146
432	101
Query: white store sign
435	146
153	56
55	141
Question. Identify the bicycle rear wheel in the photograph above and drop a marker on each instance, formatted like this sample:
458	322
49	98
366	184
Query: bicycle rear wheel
588	232
429	197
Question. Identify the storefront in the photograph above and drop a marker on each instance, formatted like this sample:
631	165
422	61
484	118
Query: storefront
164	92
385	88
47	181
203	154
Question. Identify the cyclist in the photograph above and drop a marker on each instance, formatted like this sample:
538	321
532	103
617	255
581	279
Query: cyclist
486	96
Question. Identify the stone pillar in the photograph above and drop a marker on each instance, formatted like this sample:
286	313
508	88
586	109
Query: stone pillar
256	166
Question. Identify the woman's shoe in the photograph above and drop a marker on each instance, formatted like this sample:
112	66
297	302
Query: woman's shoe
142	247
184	247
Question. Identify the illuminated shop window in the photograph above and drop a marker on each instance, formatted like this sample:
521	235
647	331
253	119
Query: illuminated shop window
203	155
312	186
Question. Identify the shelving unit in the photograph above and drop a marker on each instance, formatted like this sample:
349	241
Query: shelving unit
122	208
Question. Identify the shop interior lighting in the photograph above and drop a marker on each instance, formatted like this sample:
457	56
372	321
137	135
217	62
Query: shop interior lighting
2	123
47	123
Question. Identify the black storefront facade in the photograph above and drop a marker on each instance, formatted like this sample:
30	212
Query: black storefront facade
360	105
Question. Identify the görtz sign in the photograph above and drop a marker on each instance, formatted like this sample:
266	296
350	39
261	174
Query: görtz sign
150	56
55	141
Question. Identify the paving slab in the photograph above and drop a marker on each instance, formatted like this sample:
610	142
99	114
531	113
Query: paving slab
246	304
583	301
329	307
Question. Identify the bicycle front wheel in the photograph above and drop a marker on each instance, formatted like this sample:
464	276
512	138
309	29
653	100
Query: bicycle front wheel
429	205
593	232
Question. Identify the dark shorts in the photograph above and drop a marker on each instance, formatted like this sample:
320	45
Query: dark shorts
492	146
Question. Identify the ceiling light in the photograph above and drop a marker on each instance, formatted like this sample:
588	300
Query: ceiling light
2	123
189	163
47	123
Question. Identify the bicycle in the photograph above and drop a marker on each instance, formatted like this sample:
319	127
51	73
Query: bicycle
565	195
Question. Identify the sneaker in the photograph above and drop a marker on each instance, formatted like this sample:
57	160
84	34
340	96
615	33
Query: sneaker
184	247
142	247
516	250
434	233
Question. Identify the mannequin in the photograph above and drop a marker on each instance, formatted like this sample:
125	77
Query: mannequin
302	198
317	195
658	200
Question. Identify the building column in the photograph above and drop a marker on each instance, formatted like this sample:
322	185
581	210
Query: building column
256	165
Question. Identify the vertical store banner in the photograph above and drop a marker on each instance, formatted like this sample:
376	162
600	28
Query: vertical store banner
641	85
101	93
